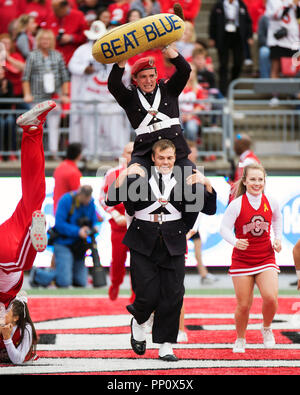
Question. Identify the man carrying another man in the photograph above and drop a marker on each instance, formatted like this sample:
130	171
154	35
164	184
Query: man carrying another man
156	238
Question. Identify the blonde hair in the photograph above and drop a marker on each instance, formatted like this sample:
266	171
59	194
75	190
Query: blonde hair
239	186
22	23
43	32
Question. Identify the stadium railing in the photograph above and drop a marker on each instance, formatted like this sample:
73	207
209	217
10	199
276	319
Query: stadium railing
248	109
269	111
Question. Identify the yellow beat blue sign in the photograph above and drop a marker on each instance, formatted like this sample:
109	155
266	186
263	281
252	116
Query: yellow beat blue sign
136	37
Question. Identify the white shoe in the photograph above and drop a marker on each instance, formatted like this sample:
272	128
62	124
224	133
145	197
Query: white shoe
239	345
38	233
269	340
166	353
37	115
208	279
248	62
182	337
274	102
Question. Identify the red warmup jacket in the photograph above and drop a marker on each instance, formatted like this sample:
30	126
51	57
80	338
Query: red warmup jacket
191	8
73	23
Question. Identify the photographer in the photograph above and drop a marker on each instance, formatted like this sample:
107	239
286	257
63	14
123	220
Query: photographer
74	222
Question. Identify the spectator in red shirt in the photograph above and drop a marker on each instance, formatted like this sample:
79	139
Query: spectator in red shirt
119	10
14	65
9	10
256	9
39	9
68	26
190	8
67	175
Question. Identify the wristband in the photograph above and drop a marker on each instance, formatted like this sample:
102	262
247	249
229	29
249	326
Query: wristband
298	274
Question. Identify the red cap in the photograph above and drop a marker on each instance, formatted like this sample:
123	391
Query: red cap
143	64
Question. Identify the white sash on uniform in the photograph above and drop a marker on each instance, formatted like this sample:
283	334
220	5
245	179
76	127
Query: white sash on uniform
166	121
146	215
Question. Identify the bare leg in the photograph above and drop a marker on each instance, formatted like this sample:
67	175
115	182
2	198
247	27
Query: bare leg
267	283
243	286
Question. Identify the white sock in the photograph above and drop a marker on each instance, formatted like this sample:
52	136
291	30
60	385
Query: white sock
138	331
165	349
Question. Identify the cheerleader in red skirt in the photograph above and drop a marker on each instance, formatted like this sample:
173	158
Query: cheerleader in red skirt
246	225
24	233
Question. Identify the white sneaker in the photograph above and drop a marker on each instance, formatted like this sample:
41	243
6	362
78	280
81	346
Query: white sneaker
38	233
269	340
208	279
182	337
37	115
239	345
274	102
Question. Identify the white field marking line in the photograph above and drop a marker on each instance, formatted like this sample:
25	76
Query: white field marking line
72	342
69	365
292	321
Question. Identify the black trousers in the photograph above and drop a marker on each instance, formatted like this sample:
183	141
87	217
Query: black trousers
158	284
232	42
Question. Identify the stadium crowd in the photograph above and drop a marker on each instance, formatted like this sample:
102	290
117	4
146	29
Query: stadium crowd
45	53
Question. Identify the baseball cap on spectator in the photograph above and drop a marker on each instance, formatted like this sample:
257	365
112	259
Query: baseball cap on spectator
97	30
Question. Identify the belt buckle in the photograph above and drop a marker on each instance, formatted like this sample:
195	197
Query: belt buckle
160	218
156	126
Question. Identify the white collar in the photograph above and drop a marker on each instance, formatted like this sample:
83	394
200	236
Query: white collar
165	177
253	198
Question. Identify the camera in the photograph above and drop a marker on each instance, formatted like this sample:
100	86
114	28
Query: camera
85	221
98	273
60	34
281	33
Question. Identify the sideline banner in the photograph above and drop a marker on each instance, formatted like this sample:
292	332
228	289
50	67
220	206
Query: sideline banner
215	251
